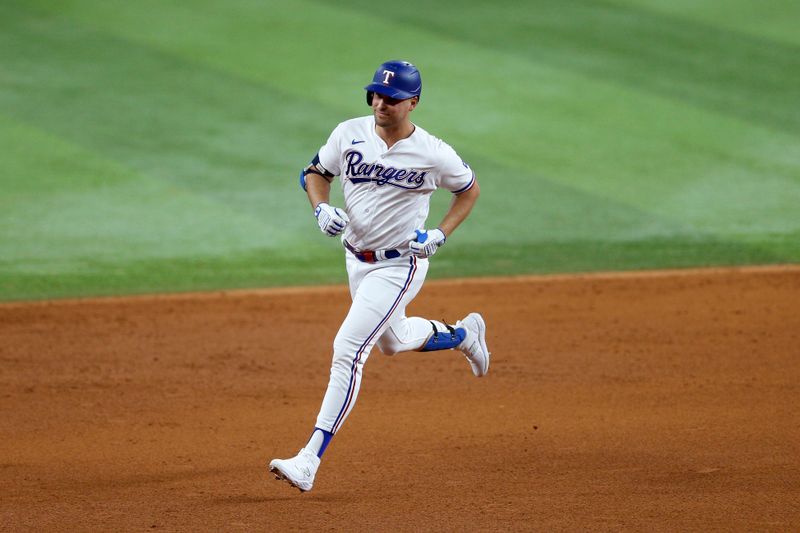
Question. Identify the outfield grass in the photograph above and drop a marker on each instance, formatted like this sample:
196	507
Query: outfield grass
154	146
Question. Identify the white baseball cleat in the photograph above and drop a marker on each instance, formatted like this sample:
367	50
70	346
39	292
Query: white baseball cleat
474	344
299	471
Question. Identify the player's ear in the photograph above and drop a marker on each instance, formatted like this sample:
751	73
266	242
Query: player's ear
414	102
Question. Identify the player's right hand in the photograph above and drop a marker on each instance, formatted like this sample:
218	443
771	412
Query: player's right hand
424	243
331	220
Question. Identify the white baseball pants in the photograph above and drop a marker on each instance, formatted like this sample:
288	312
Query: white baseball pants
380	292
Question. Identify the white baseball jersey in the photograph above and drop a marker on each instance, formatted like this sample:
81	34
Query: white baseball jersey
387	190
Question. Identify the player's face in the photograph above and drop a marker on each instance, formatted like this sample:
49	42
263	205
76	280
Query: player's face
391	112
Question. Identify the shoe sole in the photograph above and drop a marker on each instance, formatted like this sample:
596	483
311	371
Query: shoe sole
482	340
280	476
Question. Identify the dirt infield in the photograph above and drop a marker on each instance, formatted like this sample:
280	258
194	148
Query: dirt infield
660	401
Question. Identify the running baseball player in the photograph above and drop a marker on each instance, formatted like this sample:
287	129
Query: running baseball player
389	167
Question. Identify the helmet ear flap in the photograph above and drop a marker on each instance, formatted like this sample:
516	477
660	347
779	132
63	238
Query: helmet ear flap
369	98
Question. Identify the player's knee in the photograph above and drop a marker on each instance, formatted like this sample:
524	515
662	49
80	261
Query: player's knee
389	346
390	342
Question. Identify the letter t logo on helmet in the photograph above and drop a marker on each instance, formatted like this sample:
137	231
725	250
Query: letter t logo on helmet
395	79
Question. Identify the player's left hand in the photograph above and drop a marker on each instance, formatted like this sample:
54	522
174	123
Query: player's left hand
424	243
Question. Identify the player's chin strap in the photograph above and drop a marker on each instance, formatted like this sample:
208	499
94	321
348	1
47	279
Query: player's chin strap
444	340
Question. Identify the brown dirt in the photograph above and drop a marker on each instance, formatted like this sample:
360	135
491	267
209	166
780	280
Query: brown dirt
660	401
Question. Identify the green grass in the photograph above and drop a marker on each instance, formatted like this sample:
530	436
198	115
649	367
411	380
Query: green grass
154	146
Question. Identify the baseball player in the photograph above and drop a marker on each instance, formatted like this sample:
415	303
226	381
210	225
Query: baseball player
389	167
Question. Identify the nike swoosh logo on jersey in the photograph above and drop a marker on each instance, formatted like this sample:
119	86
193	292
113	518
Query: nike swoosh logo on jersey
357	142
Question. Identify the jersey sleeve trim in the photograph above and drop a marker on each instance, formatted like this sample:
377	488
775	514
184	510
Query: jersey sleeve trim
468	186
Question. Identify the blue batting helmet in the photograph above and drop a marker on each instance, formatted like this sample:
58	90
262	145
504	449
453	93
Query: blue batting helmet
395	79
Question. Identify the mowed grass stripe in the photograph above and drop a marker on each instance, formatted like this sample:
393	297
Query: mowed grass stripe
696	168
775	20
565	212
501	186
185	273
726	71
185	126
147	107
291	47
63	206
643	164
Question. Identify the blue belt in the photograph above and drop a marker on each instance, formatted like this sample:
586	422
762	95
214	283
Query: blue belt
372	256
